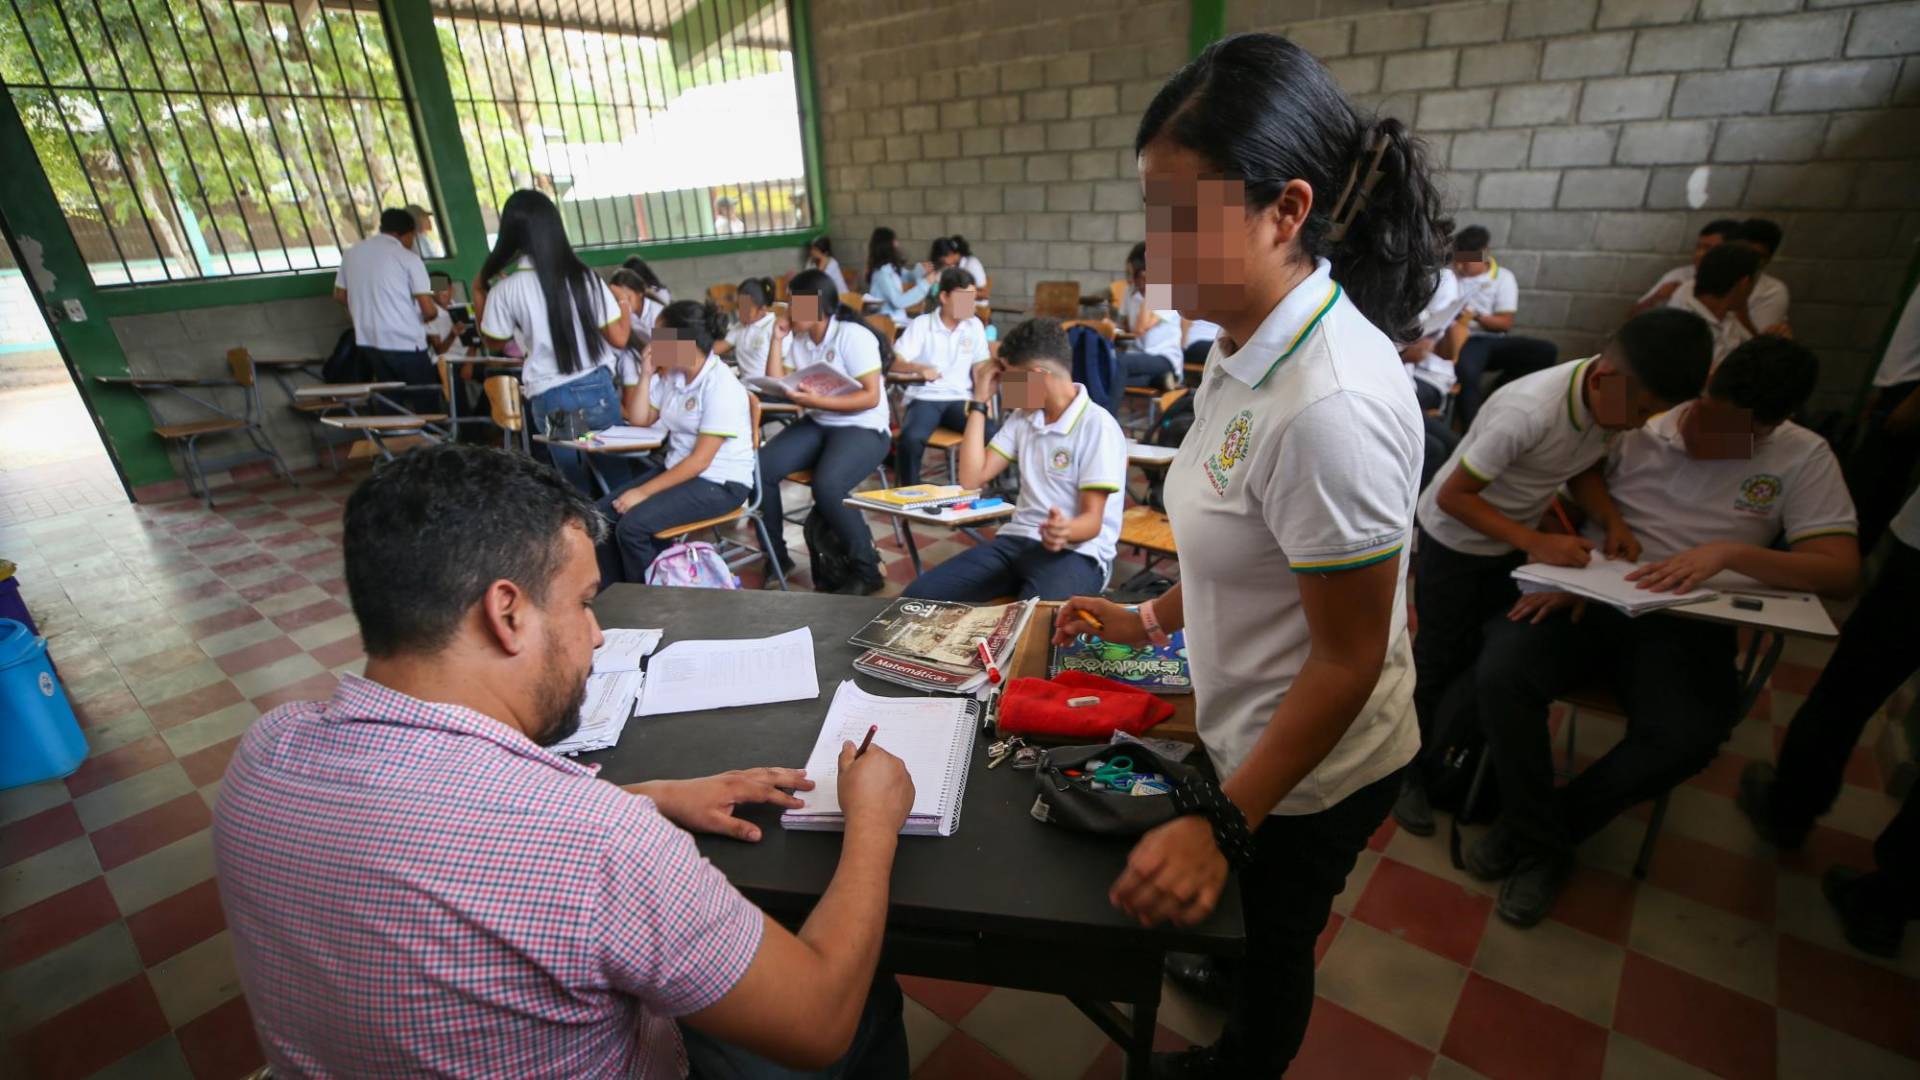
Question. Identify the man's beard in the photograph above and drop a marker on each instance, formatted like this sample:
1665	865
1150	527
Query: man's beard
558	700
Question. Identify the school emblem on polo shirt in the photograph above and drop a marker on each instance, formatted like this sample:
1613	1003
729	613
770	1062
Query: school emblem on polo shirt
1757	493
690	404
1233	449
1062	459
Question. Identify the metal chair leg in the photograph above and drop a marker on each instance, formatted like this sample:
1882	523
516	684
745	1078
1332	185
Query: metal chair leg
195	474
1645	859
766	550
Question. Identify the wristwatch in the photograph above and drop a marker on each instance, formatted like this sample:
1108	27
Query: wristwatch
1198	795
1159	637
977	407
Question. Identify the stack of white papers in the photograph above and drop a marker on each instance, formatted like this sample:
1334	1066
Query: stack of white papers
628	435
623	649
688	676
1604	581
610	703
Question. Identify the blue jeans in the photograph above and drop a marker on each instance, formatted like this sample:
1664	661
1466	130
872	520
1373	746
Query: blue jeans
1143	368
921	418
630	546
1508	354
415	368
840	458
594	396
879	1050
1010	566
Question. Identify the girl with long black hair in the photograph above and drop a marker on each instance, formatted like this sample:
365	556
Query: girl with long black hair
534	290
751	338
818	255
1291	500
891	280
842	439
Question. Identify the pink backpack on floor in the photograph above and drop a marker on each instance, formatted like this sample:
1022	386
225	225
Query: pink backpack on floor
694	565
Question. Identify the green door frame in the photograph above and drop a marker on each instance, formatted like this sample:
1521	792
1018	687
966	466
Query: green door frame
54	266
1206	24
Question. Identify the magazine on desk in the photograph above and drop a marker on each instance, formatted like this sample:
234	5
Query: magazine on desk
934	644
824	380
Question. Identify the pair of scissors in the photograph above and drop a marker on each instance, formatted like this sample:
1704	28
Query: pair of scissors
1115	772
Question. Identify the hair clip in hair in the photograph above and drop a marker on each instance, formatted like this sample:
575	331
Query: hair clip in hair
1345	209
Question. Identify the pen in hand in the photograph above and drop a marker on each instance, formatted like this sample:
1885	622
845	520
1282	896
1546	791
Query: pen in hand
868	741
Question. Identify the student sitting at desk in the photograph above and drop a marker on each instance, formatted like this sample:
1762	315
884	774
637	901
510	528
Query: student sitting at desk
1492	304
1712	235
818	255
1073	461
1479	516
1156	357
953	251
751	336
709	465
891	280
414	885
444	339
842	439
944	346
1705	488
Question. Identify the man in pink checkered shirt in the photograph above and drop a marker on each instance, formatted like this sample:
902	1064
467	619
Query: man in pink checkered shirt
415	886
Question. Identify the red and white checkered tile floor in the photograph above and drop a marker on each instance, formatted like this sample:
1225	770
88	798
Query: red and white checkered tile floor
175	627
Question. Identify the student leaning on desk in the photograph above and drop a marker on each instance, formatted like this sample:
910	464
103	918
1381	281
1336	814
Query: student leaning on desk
1291	501
415	885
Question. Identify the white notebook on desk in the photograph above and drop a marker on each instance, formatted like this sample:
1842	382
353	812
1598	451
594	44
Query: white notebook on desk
1604	580
933	737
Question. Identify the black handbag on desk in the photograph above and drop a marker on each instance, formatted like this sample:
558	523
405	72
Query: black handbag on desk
1066	795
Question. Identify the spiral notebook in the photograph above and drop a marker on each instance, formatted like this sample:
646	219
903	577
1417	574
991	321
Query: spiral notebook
933	737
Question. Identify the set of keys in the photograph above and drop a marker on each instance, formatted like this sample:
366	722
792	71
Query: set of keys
1015	749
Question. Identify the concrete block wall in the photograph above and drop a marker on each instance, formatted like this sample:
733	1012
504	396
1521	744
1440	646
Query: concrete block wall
1594	137
1006	121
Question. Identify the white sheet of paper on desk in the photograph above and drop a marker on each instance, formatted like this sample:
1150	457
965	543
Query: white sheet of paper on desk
620	434
1605	581
623	649
603	716
688	676
1137	451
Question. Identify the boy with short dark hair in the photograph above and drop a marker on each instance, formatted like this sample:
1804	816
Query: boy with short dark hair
1479	517
1719	292
1073	463
1711	235
1706	488
1492	303
1766	307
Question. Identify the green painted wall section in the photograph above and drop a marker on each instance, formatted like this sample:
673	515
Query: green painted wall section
33	216
436	122
801	13
1207	24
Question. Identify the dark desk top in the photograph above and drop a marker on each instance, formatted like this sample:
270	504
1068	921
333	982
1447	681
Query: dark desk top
1001	871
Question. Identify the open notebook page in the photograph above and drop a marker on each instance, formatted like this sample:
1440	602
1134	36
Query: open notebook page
918	731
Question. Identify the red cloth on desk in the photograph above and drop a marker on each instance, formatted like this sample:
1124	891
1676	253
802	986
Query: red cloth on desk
1039	707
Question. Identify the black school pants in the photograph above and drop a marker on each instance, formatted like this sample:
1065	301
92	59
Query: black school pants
1878	649
840	457
1300	863
1454	594
1674	679
1879	468
1511	355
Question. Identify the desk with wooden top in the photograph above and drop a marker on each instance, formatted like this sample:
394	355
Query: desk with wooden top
1005	901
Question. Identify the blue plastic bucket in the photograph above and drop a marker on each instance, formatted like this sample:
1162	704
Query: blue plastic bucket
39	737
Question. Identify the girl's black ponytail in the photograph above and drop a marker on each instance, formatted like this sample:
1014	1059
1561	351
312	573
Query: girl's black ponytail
1262	110
759	290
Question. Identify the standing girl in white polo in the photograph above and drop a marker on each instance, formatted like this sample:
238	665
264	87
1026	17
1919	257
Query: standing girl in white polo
1291	500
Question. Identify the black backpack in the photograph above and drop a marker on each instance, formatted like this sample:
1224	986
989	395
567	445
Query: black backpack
831	563
1449	764
1170	431
346	363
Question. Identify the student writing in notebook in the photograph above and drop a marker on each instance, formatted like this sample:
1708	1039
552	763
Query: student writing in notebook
551	924
1709	486
709	465
943	345
1481	515
1072	458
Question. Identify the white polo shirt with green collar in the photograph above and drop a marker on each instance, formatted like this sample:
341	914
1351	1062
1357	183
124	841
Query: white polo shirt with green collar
1790	488
1084	450
1303	458
712	403
1533	434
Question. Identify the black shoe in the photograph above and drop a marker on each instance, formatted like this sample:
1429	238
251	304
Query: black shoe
1207	978
1412	809
862	586
787	569
1494	855
1529	892
1755	799
1872	932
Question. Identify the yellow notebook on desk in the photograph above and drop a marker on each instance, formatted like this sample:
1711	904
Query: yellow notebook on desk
917	497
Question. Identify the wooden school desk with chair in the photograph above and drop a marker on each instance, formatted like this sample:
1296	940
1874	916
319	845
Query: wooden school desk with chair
735	553
1005	901
248	421
596	446
966	521
1782	614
